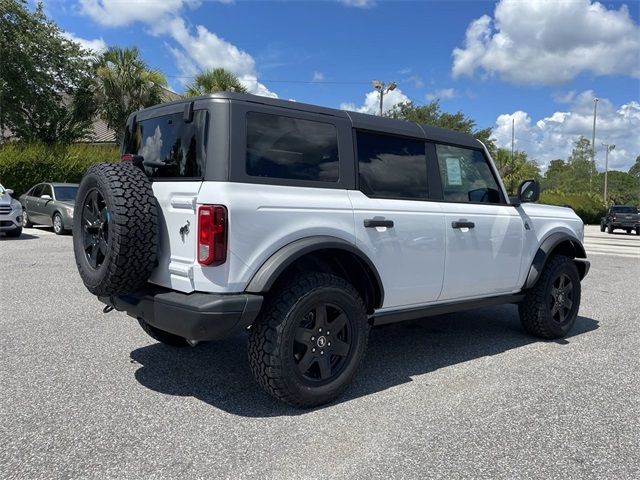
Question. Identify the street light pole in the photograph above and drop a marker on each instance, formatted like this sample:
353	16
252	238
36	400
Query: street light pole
593	142
607	149
383	88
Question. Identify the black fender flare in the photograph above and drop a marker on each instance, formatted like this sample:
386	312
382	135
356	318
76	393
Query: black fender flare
546	247
268	273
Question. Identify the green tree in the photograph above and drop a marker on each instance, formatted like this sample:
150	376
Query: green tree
215	80
556	175
634	171
582	171
622	188
432	114
514	171
124	83
40	74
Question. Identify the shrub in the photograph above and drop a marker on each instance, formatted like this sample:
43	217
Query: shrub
24	165
588	206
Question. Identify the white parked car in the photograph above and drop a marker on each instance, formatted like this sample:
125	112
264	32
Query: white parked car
10	214
309	225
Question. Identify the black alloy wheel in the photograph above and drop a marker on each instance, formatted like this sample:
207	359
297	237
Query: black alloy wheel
95	228
561	299
309	339
322	343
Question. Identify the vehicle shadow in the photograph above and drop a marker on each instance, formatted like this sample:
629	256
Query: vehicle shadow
23	236
218	372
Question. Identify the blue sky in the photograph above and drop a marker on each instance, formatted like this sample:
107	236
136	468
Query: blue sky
540	63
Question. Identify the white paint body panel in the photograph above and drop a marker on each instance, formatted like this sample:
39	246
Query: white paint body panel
486	259
421	260
411	254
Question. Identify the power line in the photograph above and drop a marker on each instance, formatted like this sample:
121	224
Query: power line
320	82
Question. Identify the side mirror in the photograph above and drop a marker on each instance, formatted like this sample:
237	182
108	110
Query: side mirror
46	197
529	191
9	191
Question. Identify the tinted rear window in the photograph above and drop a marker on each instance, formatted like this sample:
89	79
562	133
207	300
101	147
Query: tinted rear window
623	209
171	148
291	148
65	194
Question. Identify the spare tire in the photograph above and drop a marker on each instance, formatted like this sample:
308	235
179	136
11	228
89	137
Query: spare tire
115	229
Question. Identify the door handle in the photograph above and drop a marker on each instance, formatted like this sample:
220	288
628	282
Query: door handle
462	224
372	223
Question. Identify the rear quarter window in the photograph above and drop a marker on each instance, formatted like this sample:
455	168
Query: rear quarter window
291	148
170	147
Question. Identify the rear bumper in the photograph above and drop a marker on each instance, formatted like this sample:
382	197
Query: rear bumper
625	224
194	316
583	266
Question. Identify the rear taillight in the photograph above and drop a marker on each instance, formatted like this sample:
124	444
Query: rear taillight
212	234
126	157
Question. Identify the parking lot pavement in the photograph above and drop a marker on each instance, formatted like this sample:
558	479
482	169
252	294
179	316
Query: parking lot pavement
87	395
618	243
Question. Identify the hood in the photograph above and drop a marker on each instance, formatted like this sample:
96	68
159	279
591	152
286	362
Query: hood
549	211
68	203
5	199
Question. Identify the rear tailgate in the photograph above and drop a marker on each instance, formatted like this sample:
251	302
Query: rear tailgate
177	226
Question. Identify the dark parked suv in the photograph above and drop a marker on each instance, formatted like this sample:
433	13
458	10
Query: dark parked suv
623	217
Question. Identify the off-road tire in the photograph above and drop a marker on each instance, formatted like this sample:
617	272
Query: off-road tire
162	336
629	230
602	227
271	340
15	233
25	219
637	231
609	229
131	221
535	309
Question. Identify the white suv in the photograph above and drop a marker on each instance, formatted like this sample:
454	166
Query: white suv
10	214
307	226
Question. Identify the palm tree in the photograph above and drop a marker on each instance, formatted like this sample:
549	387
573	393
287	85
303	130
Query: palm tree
124	84
216	80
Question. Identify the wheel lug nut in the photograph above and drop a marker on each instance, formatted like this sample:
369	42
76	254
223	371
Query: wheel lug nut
320	330
313	338
328	332
321	352
329	344
313	349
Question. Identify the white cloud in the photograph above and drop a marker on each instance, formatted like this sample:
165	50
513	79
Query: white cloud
372	102
550	42
441	94
317	77
96	45
553	136
208	50
204	50
116	13
358	3
416	80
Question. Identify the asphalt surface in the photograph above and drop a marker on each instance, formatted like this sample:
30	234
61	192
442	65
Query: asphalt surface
87	395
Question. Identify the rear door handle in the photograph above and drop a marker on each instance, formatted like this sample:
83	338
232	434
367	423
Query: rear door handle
372	223
462	224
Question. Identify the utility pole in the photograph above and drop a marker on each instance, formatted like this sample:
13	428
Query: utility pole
593	142
513	136
607	149
383	88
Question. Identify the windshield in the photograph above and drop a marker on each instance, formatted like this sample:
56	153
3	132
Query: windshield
2	190
623	209
66	194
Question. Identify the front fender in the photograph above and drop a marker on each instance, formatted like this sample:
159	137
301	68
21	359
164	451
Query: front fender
547	246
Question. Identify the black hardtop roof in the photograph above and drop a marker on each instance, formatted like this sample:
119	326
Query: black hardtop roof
358	120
